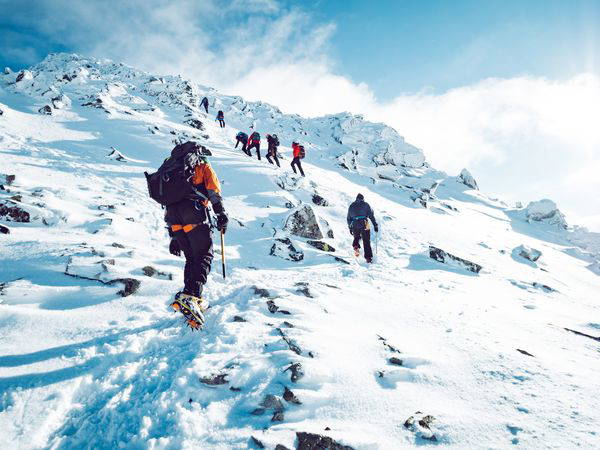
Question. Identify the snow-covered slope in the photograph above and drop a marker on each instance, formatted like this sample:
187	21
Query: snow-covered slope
298	339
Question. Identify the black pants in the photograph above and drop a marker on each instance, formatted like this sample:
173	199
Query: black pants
244	149
205	107
222	123
364	234
296	162
197	245
255	145
273	154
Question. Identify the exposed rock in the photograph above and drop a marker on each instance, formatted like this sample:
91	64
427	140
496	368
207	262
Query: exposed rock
4	230
342	260
545	211
596	338
287	324
13	213
130	286
296	371
277	417
256	442
60	101
543	287
46	110
195	123
290	342
283	248
239	319
321	245
467	179
150	271
117	245
395	361
525	352
289	205
270	402
303	222
215	379
528	253
273	308
7	71
444	257
312	441
10	179
318	200
303	289
281	447
290	397
1	112
261	292
421	425
24	75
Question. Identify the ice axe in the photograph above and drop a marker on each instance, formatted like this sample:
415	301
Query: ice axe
223	252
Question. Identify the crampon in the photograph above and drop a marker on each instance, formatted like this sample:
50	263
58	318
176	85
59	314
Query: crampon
192	309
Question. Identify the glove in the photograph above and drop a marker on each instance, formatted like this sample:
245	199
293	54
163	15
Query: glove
174	248
376	228
222	221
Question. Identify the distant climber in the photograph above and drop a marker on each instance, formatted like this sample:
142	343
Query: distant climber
185	183
254	142
299	153
204	103
243	138
221	119
359	214
273	142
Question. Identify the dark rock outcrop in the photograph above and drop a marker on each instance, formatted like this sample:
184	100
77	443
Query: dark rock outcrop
130	286
421	425
312	441
318	200
528	253
283	248
290	397
290	342
296	371
4	230
215	379
256	442
444	257
150	271
321	245
12	213
273	308
303	222
46	110
195	123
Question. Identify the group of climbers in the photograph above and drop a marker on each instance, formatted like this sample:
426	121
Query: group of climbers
253	141
186	185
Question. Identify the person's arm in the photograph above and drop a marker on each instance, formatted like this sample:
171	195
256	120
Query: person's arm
349	218
205	174
372	217
237	141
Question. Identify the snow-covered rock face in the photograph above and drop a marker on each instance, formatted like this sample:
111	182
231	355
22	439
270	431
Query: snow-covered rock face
545	211
298	321
467	179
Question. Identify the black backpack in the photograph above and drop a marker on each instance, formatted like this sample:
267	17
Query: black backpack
302	152
172	182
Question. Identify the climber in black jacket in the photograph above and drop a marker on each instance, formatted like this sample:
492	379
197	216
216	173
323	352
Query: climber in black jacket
359	214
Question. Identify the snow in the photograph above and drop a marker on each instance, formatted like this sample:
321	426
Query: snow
83	367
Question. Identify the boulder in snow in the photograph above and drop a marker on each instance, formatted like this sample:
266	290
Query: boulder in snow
467	179
319	201
421	425
7	71
283	248
46	110
24	75
1	112
444	257
10	212
296	371
4	230
303	222
195	123
321	246
316	441
545	211
290	397
527	252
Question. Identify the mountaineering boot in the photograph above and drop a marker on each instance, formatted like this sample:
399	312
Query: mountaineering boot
357	252
192	308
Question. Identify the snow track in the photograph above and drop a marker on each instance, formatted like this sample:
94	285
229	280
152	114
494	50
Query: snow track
348	351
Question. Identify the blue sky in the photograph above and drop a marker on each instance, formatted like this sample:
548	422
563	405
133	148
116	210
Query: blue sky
509	89
396	46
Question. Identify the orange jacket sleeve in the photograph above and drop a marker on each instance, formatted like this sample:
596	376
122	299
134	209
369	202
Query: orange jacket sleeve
204	174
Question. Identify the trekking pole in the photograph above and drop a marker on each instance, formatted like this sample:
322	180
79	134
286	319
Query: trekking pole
223	252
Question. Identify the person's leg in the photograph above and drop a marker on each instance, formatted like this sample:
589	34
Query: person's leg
293	164
276	159
258	151
197	248
269	158
366	237
300	167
